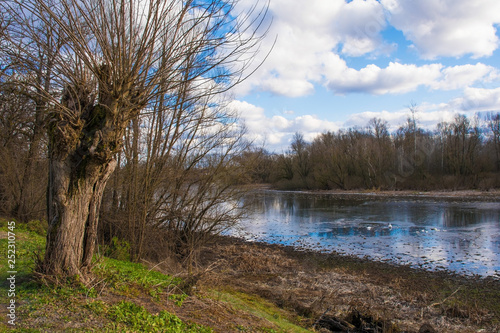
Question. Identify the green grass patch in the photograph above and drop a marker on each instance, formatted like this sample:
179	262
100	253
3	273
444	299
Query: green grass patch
126	276
261	308
130	317
74	307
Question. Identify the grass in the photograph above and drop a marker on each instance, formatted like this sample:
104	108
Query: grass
260	308
76	307
123	297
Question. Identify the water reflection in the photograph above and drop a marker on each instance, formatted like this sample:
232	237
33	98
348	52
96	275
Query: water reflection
463	236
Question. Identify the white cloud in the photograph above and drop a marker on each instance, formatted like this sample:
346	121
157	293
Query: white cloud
359	24
458	77
399	78
451	28
395	78
276	131
476	100
287	87
307	32
310	34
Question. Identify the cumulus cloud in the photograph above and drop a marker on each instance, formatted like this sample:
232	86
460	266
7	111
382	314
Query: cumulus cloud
450	28
395	78
276	131
304	33
313	36
399	78
359	24
476	100
458	77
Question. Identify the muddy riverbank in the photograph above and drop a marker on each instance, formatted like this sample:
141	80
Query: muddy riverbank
327	288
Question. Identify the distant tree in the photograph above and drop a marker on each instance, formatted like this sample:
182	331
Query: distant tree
381	153
494	126
329	158
460	148
301	160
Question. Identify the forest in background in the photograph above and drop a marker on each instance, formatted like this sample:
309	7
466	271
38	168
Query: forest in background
462	154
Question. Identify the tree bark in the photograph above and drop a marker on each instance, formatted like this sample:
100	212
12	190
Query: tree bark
82	154
73	208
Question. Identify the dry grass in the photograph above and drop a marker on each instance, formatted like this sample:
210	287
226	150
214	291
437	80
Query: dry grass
317	286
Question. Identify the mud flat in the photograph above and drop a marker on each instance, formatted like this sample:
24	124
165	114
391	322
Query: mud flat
493	194
336	292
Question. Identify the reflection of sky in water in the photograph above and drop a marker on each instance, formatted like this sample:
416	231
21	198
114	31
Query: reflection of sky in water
463	236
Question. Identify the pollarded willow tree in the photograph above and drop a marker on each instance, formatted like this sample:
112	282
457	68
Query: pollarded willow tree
109	61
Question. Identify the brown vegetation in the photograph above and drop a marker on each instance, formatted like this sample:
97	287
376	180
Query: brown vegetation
326	288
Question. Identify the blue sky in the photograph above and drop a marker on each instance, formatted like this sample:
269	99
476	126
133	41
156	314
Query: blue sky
337	64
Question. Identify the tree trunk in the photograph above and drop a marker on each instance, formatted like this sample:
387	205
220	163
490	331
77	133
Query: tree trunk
74	194
82	154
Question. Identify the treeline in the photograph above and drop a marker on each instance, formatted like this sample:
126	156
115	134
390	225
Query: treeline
462	154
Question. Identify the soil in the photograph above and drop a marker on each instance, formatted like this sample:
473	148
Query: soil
334	293
466	194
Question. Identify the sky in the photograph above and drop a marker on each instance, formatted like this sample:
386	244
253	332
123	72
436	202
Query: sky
335	64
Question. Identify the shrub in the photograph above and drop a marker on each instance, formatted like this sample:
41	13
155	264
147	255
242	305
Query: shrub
38	226
119	249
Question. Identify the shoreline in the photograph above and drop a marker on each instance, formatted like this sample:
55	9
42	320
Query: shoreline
352	258
444	194
436	269
314	285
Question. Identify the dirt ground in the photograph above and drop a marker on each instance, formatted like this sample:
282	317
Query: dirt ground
341	294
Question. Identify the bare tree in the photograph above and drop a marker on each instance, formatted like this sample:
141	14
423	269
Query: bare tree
301	159
494	126
21	143
111	61
180	167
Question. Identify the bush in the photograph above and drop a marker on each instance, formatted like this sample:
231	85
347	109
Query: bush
119	249
38	226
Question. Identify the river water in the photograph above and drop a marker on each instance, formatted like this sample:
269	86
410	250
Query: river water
452	234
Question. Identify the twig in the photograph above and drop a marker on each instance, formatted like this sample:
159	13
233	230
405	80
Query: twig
321	317
441	303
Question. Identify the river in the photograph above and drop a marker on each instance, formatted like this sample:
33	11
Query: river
454	234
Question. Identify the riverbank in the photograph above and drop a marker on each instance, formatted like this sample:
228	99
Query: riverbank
461	194
240	286
493	194
328	290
